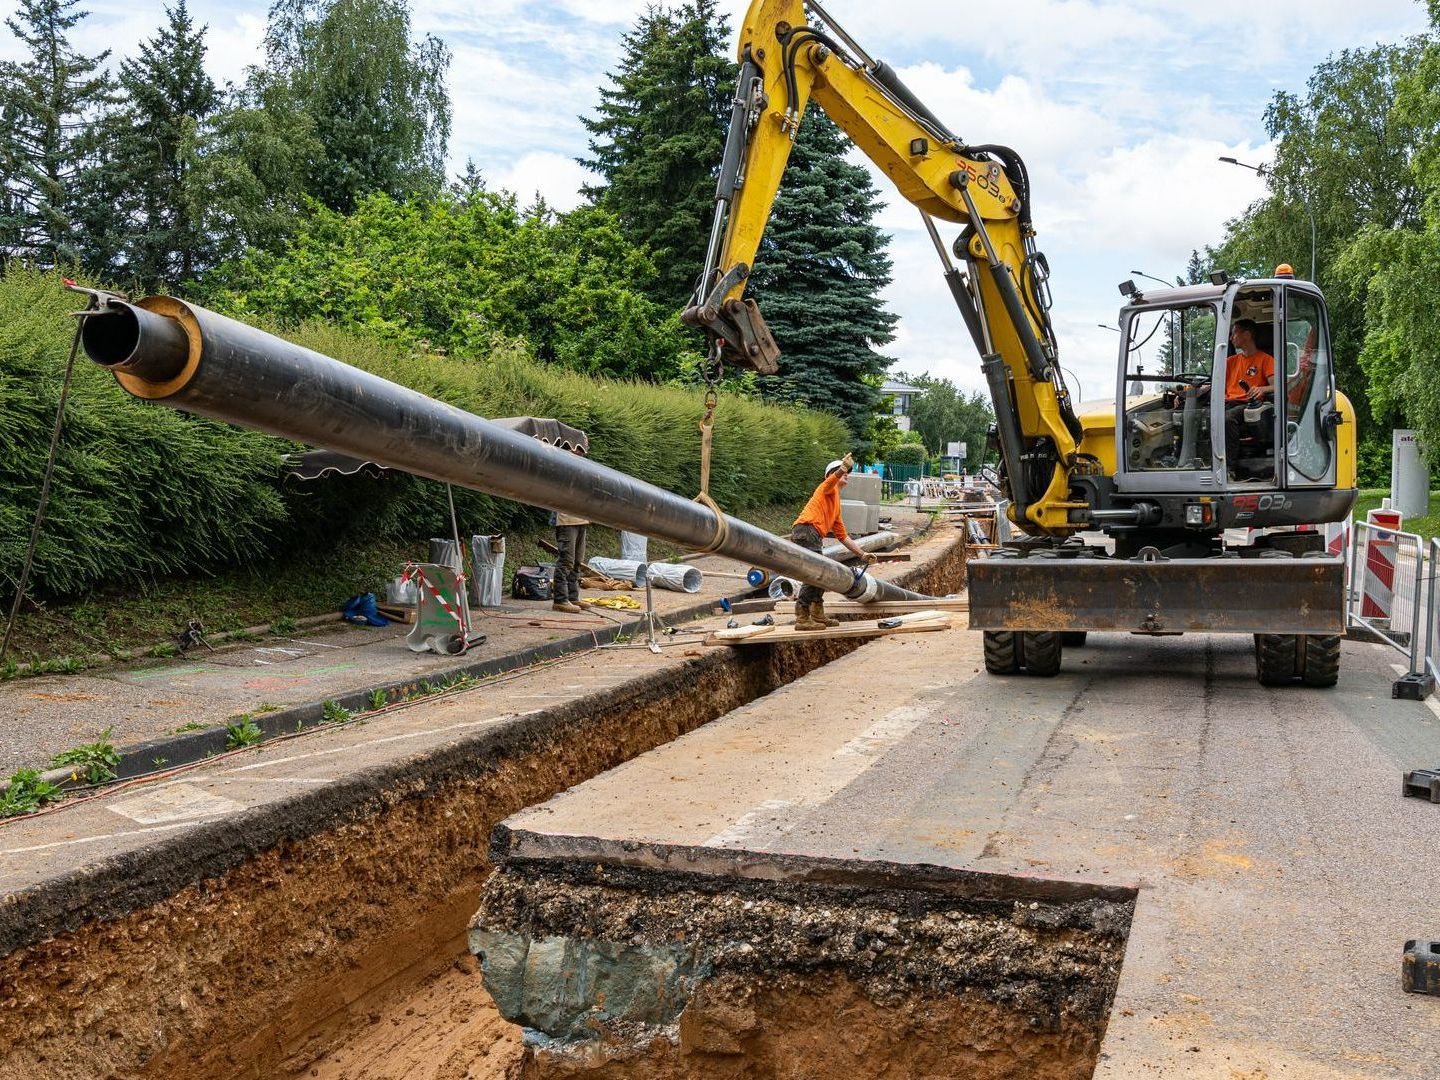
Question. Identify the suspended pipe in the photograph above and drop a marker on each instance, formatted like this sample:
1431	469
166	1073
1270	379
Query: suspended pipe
165	350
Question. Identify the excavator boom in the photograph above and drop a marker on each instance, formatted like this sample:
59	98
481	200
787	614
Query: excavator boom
787	64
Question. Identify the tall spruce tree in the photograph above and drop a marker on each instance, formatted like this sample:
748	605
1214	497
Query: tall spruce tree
818	277
657	138
46	103
377	100
142	222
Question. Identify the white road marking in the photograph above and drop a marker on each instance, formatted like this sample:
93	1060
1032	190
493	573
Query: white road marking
848	761
884	733
102	836
740	832
351	748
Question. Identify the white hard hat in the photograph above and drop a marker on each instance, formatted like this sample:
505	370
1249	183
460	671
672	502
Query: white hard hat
838	463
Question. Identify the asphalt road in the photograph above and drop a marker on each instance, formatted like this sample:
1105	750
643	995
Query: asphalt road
1280	869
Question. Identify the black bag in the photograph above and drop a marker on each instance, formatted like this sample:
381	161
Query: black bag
531	583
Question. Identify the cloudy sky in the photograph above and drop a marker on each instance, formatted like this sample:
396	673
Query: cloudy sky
1120	108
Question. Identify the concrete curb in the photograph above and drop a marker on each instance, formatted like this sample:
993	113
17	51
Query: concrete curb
139	758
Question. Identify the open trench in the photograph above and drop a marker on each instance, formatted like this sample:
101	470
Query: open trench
341	951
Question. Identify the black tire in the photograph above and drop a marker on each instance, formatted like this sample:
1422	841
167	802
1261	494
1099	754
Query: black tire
1074	639
1041	654
1321	656
1277	659
1002	652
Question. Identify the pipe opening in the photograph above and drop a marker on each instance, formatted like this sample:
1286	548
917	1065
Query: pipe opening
137	342
110	339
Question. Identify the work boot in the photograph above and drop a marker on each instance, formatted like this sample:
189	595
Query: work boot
803	619
567	607
817	614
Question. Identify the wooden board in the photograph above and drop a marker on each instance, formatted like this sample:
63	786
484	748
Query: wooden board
914	623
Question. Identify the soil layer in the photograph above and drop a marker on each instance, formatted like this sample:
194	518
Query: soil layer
913	982
249	948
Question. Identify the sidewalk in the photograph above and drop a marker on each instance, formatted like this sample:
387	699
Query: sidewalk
177	709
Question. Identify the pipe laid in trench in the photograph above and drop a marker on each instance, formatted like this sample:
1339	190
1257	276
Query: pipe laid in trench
165	350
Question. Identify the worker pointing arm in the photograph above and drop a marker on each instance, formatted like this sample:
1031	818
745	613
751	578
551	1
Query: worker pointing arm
821	518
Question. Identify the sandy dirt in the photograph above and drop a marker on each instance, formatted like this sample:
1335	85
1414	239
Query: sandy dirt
447	1029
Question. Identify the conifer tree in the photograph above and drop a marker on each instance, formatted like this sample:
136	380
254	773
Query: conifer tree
46	101
657	138
142	162
818	277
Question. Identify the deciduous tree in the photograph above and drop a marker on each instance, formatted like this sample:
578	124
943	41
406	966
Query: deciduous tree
377	99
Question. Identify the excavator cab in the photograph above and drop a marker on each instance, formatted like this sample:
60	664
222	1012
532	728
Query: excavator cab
1227	389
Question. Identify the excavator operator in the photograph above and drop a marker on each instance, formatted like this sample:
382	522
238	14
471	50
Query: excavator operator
1249	381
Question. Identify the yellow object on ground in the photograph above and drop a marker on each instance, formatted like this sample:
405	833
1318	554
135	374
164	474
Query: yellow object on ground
619	603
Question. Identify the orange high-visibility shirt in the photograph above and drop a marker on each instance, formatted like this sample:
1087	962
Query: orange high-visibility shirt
1257	369
823	509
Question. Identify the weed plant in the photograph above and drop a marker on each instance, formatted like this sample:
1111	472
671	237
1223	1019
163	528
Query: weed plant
97	761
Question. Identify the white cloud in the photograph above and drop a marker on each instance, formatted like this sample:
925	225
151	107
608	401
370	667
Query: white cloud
557	179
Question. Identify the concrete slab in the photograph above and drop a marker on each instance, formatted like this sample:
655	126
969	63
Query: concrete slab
1280	870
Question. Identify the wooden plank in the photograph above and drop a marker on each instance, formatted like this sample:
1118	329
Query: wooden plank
852	607
741	633
938	620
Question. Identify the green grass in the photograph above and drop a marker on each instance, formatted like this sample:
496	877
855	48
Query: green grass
1426	527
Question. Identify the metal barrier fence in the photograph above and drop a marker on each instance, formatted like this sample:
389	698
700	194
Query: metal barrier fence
1432	620
1391	597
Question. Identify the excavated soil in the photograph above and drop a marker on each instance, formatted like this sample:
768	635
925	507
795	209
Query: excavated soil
807	980
294	948
825	1027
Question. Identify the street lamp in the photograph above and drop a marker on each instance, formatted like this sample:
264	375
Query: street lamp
1262	170
1152	277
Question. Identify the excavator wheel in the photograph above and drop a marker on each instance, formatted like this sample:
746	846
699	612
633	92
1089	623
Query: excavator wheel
1277	658
1041	653
1002	652
1321	659
1073	639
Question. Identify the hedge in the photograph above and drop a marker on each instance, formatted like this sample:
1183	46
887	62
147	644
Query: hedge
143	490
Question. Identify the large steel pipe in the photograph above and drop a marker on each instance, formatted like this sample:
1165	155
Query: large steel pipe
233	372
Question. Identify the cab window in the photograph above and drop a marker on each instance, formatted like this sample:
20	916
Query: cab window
1169	353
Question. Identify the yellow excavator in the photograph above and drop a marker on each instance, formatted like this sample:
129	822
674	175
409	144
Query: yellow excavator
1123	506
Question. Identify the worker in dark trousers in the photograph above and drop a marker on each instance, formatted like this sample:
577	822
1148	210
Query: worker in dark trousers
819	519
570	539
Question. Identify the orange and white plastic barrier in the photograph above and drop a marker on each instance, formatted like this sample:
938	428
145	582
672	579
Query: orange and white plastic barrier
1377	577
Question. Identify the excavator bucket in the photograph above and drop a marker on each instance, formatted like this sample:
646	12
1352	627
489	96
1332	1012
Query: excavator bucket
1236	596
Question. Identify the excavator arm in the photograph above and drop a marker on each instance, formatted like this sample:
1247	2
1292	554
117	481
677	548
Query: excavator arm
788	63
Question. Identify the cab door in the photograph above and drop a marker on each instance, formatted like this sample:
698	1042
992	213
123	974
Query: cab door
1307	386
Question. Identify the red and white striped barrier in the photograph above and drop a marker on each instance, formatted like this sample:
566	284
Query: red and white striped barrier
1377	581
1337	537
415	573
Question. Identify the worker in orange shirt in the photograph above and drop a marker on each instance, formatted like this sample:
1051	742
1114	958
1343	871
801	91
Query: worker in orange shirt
819	519
1249	381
